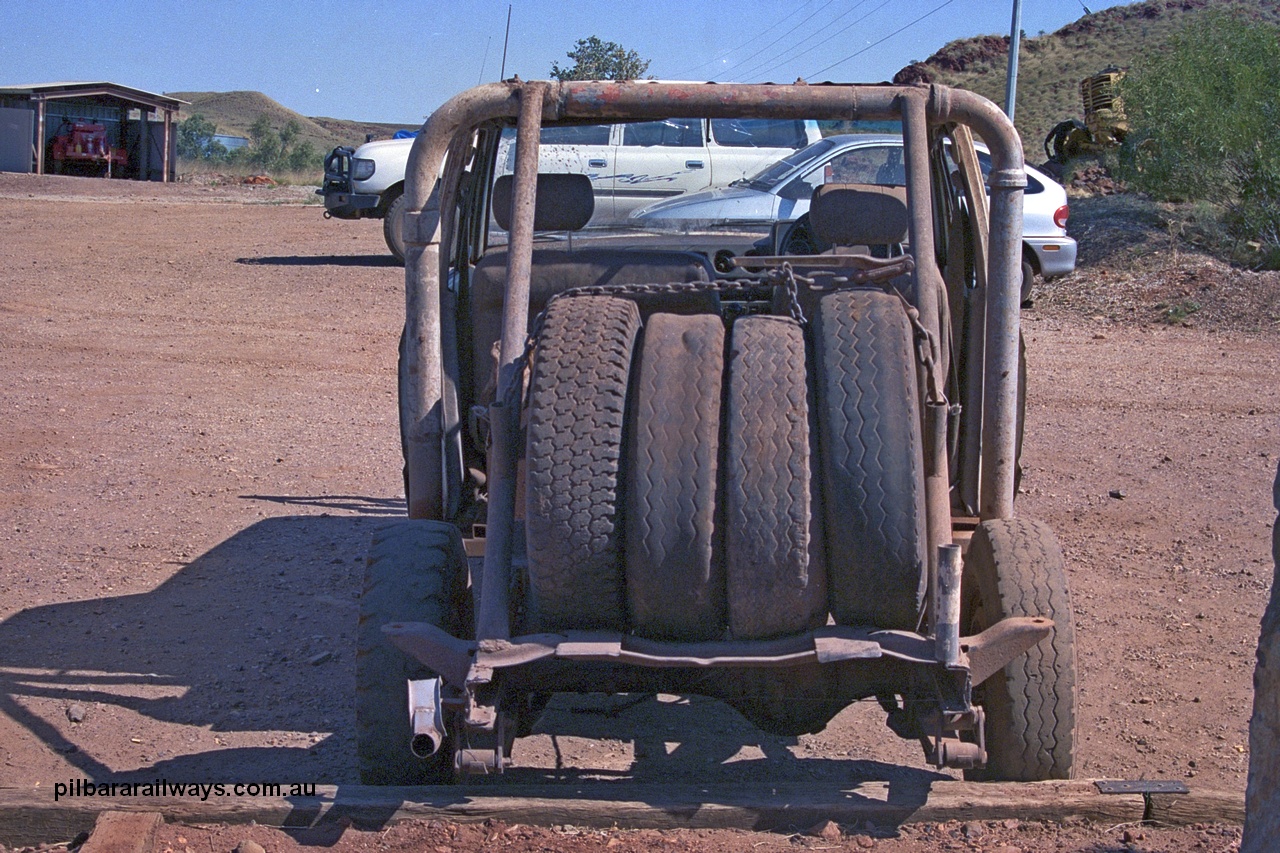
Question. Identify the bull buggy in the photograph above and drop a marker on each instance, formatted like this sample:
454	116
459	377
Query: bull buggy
776	469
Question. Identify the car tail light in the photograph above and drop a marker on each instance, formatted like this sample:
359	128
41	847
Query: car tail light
1060	216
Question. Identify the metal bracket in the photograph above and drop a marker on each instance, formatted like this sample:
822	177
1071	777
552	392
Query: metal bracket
1001	643
1145	787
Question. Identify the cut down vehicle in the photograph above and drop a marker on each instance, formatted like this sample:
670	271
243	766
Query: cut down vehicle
789	488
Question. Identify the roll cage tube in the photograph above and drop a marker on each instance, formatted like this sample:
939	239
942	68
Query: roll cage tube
455	122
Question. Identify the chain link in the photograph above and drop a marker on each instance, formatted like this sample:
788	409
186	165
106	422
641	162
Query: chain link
926	343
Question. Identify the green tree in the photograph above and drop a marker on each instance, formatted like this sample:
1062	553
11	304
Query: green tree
266	148
196	142
303	157
289	135
1204	115
594	59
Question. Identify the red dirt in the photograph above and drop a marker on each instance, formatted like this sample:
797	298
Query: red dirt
198	432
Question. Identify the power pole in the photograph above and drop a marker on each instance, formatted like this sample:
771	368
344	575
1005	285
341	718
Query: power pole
1015	36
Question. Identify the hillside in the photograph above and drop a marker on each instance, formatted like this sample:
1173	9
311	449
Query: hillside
1050	66
235	112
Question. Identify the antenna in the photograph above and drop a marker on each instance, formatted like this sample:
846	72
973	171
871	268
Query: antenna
484	61
505	39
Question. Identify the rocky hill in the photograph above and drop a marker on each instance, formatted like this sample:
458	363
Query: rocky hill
1051	65
235	112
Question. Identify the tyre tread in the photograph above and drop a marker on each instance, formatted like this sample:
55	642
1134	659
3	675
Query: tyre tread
873	464
414	572
577	401
775	572
1038	707
674	572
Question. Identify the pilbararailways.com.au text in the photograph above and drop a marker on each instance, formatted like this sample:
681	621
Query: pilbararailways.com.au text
165	788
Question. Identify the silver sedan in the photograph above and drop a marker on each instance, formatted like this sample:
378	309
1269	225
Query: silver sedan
781	193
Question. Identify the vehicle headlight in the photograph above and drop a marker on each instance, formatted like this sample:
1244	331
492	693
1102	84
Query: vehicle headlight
361	170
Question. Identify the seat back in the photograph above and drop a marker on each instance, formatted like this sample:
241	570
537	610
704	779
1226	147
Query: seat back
564	202
857	219
859	214
562	205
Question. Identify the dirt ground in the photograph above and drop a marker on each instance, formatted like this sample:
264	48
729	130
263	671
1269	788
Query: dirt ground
198	434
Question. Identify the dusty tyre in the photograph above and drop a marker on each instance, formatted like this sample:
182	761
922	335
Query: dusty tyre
774	568
391	227
1014	567
415	572
674	577
577	398
873	464
1028	278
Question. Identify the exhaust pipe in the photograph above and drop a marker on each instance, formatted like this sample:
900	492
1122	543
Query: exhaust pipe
425	717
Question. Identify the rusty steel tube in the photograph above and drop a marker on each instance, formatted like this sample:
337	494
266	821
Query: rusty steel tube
494	621
946	622
1000	367
1000	380
928	299
424	265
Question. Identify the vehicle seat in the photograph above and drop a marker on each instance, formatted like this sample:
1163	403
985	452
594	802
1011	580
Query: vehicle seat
565	203
860	217
857	219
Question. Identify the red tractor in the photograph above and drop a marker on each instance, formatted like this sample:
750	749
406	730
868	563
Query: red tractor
81	147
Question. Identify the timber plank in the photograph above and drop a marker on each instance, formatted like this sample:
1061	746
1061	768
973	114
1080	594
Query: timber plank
123	832
28	816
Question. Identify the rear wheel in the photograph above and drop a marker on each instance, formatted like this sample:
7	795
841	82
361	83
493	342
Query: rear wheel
873	461
675	581
1014	567
577	397
415	572
391	227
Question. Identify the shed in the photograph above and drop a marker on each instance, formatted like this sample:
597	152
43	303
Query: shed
90	128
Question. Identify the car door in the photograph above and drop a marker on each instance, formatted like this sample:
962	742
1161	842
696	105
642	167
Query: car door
587	149
877	163
740	147
657	160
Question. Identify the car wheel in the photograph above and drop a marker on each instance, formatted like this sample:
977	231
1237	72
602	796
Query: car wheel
391	230
415	571
1014	567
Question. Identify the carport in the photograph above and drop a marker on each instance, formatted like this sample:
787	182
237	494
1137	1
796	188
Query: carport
140	123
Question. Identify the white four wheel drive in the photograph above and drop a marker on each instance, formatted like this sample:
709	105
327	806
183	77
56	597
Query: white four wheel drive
629	165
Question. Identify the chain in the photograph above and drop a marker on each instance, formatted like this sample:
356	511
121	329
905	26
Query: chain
928	352
927	348
790	283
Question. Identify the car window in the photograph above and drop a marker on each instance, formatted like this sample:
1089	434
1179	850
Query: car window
769	176
672	133
584	134
879	164
758	133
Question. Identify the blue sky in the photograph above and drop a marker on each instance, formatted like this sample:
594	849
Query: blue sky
397	60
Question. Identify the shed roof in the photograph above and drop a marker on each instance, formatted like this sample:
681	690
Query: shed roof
59	91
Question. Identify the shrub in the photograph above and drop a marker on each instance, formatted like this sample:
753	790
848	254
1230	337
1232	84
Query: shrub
1204	115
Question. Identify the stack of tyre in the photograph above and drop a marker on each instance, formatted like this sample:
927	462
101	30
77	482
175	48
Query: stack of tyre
689	479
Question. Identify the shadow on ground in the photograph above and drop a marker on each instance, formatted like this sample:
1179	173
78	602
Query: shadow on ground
254	642
322	261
